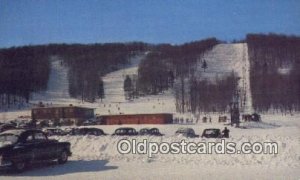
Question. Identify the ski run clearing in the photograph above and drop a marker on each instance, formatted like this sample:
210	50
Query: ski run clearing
98	158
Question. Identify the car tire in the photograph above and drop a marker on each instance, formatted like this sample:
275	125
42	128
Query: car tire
19	166
63	157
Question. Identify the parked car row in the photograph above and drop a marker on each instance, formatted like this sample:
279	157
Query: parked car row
22	147
128	131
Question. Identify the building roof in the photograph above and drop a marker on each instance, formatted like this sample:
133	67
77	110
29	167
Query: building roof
52	107
149	114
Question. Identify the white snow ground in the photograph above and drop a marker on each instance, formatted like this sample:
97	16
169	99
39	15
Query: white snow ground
98	158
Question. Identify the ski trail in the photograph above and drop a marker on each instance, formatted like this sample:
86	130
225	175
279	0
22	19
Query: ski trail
247	103
224	59
58	84
115	102
114	81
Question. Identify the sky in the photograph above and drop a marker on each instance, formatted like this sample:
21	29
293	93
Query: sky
32	22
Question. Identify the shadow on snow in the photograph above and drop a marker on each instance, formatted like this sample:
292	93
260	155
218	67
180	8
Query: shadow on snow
71	167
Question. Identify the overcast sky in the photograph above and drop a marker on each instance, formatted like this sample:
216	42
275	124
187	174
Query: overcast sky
24	22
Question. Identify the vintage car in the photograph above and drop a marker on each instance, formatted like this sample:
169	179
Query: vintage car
125	132
212	133
54	132
19	148
89	123
5	127
186	132
87	131
150	132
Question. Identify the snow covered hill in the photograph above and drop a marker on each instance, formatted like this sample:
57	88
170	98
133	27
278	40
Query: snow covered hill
224	59
113	82
115	102
58	85
221	61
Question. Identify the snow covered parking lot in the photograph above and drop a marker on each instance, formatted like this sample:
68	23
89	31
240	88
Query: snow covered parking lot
98	158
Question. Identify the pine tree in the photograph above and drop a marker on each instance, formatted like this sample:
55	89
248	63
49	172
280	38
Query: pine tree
128	88
204	65
101	90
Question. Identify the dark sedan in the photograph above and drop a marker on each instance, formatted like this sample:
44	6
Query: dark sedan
54	132
125	132
186	132
212	133
18	148
87	131
5	127
150	132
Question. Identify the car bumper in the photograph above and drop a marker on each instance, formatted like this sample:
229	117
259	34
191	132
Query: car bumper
5	164
69	153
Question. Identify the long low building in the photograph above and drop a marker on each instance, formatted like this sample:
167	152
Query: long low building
161	118
65	115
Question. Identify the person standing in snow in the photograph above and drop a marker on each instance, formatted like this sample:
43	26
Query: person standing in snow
225	132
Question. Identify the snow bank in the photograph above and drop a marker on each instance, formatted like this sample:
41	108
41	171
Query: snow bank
261	125
105	147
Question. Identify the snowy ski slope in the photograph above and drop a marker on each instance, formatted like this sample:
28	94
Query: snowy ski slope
224	59
221	61
115	103
58	85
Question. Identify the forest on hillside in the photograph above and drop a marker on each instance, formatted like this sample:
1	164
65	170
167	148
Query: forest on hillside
173	67
166	62
274	75
24	70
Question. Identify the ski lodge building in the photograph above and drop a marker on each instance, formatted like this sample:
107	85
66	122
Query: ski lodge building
67	115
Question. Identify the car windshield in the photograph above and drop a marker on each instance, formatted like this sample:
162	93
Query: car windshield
154	130
183	131
7	139
211	131
144	130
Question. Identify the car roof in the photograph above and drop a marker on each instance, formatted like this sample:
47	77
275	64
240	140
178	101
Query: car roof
90	128
212	129
14	132
6	124
184	129
144	129
125	128
19	131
